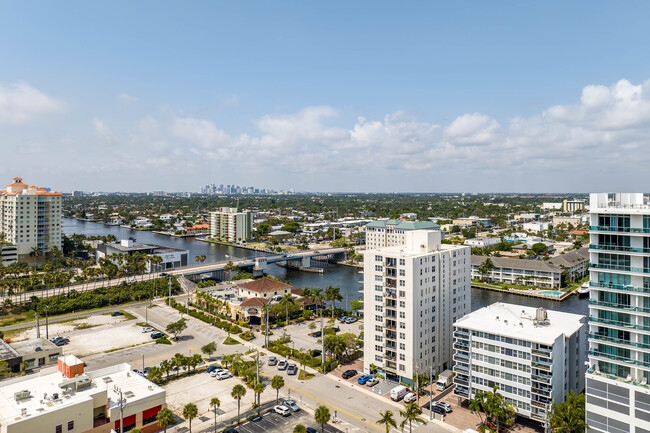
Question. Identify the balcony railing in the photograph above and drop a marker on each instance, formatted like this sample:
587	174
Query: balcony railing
619	306
619	268
619	358
390	294
627	249
626	325
540	378
542	366
541	352
619	229
627	288
618	341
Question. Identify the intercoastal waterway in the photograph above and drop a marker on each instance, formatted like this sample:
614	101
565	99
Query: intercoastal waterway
345	277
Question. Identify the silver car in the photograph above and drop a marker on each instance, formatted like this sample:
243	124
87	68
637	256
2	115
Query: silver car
291	405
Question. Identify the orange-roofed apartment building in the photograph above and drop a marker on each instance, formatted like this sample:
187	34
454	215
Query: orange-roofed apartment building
30	218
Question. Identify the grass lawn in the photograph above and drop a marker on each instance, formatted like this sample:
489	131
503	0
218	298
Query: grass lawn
304	375
230	341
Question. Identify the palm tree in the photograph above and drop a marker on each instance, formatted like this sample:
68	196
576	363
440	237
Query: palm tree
258	389
165	418
190	411
476	404
322	416
36	252
286	300
387	419
333	294
277	383
569	416
238	392
214	404
411	413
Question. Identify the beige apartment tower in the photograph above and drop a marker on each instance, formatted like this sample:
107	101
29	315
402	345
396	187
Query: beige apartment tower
30	219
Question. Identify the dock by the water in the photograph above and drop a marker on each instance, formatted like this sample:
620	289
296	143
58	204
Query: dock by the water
532	293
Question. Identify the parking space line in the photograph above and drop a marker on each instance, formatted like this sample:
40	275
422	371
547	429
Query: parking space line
331	405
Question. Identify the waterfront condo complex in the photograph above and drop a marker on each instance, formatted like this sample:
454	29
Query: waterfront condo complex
534	356
618	394
229	225
30	219
413	293
388	233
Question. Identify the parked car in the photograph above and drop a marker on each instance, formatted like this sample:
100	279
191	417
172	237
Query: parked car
140	372
156	335
446	406
223	374
117	313
282	365
364	378
60	341
211	368
351	320
372	382
146	370
231	430
317	334
147	329
282	410
316	353
349	373
341	318
411	396
273	360
311	430
131	281
291	405
438	409
292	369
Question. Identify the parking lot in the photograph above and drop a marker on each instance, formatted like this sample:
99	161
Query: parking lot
273	422
301	339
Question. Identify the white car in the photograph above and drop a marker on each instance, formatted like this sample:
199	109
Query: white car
282	410
372	382
411	396
291	405
443	405
218	370
147	330
223	374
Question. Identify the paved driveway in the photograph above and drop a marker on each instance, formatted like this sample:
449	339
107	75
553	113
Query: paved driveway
272	422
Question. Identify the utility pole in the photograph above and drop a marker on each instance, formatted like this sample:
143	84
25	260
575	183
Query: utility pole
322	339
119	391
38	326
143	363
47	332
170	290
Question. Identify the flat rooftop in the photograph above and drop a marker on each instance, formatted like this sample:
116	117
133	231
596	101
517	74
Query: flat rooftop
134	387
30	346
517	321
404	252
6	351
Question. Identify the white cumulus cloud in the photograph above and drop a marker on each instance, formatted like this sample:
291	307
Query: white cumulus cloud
21	103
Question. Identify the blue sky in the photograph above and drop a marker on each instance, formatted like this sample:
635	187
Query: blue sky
329	96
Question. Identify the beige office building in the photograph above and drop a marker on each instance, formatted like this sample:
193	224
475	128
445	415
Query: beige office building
30	218
229	225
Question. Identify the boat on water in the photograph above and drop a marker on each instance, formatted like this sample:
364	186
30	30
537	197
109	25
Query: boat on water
584	289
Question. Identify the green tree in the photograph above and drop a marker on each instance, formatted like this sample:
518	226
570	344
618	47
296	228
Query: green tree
214	404
299	428
322	416
286	300
356	305
238	392
258	389
411	413
569	416
190	411
485	268
165	418
209	349
136	430
333	294
175	328
277	383
539	248
387	420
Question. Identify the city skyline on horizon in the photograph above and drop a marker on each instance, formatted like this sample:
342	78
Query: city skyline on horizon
425	98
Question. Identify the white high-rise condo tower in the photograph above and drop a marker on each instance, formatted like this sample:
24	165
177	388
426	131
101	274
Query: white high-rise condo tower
413	293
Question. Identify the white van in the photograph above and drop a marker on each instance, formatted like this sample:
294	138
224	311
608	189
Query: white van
397	393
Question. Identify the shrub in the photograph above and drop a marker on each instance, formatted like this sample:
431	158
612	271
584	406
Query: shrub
247	335
163	340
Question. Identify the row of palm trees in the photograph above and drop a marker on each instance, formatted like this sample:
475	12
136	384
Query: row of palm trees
410	414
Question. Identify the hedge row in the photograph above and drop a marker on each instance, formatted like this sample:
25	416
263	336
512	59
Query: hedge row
223	324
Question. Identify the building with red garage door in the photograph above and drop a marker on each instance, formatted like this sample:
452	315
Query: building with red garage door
72	400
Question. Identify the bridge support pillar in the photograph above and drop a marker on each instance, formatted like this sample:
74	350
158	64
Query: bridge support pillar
305	262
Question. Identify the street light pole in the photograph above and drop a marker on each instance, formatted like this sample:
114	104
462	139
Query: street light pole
431	393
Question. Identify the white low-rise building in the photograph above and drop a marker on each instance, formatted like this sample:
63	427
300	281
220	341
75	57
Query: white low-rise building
71	400
482	242
534	356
